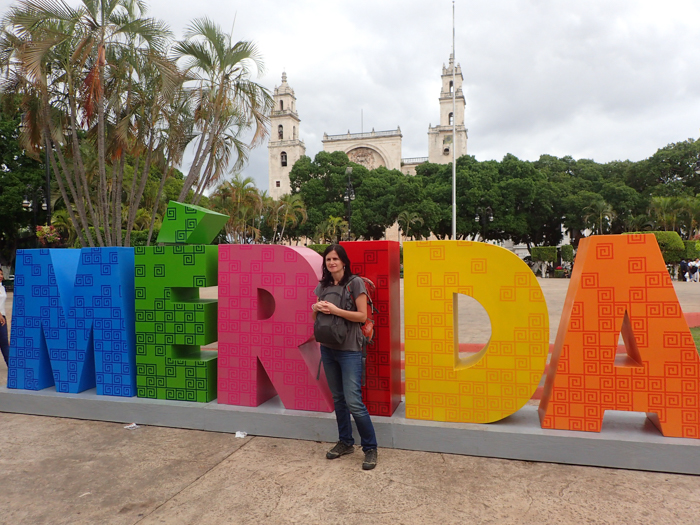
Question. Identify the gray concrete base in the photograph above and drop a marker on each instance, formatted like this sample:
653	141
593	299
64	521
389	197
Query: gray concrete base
628	440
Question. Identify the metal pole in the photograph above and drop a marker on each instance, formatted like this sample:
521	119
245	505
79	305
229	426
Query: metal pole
454	130
349	218
48	186
349	195
34	205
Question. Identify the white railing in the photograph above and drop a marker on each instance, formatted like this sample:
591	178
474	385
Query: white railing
371	134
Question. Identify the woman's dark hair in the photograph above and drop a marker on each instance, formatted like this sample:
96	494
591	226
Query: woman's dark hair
326	277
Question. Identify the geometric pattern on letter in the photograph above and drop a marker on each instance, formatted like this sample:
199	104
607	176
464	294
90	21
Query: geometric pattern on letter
266	344
502	377
620	285
73	321
190	224
379	261
172	322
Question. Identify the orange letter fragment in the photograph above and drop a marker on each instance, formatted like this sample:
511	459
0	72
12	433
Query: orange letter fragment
620	285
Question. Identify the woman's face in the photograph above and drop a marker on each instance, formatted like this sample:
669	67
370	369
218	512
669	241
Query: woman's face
1	276
333	262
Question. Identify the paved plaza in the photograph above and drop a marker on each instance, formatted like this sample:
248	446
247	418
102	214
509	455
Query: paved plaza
57	471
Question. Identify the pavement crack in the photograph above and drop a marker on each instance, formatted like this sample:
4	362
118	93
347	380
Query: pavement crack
279	499
194	481
564	488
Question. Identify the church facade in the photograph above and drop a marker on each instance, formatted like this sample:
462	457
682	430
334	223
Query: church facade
372	149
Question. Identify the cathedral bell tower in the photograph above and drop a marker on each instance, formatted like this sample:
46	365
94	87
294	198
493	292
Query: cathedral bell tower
284	146
440	138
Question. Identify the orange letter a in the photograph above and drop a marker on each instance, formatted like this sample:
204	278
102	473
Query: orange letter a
620	285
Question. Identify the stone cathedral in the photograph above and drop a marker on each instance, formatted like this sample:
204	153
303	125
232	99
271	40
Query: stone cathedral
372	149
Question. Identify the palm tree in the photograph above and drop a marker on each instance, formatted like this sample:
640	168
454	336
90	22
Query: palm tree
272	210
294	212
241	201
690	213
332	229
61	221
179	117
638	223
227	101
155	88
406	220
599	215
665	212
37	47
66	64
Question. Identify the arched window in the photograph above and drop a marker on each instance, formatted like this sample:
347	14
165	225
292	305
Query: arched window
283	158
446	151
294	132
280	131
451	118
452	87
281	105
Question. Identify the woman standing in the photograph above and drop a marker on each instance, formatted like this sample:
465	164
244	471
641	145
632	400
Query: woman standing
4	343
343	361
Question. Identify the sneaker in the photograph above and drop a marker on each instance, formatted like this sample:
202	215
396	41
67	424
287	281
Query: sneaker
370	459
340	449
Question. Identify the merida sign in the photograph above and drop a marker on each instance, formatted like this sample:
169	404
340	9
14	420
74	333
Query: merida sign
131	322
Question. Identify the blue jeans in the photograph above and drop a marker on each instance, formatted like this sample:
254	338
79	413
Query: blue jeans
4	343
344	375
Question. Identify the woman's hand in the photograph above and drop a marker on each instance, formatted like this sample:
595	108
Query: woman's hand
359	316
2	321
325	307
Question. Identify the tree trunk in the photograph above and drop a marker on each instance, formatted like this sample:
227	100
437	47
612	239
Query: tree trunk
132	193
81	184
139	194
62	189
204	181
103	198
117	200
198	162
78	203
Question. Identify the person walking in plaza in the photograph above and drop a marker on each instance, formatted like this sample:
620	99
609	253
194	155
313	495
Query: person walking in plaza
4	341
694	270
342	354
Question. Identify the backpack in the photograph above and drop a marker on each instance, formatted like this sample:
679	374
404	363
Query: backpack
368	325
331	326
331	329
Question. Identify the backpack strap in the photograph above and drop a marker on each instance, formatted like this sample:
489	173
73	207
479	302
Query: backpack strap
370	303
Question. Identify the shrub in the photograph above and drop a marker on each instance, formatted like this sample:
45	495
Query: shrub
692	250
567	253
318	248
672	247
544	253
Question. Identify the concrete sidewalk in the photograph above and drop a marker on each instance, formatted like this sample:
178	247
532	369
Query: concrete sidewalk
57	471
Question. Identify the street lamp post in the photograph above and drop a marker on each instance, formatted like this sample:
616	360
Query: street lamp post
31	205
349	197
484	216
47	202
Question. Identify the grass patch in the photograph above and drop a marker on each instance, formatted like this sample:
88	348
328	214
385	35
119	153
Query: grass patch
696	336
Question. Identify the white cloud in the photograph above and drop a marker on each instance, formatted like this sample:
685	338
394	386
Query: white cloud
601	79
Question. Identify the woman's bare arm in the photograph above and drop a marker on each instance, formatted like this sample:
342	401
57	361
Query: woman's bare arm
354	317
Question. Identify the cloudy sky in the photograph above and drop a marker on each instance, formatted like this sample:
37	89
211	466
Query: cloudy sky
600	79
